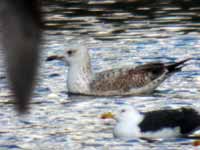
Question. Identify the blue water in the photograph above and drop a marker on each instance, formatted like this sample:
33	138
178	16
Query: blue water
59	121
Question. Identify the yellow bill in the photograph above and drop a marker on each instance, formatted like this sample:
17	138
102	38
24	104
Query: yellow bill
107	115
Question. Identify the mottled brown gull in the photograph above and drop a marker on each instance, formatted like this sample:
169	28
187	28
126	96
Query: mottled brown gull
138	80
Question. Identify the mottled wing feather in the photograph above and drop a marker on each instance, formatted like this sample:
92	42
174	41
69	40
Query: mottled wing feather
126	78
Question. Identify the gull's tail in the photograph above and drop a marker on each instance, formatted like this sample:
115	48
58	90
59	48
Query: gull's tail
177	66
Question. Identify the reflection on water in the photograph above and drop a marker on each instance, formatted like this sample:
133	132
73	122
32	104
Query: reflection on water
117	33
115	19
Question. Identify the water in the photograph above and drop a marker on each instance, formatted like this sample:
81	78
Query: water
117	33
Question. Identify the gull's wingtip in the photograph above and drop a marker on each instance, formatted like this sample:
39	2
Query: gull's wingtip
177	65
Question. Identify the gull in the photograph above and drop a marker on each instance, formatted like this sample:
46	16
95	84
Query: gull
129	80
166	123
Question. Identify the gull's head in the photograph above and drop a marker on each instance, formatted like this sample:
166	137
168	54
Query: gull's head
125	113
76	55
128	120
128	113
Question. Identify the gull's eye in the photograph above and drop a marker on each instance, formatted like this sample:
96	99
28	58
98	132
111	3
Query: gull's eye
70	52
123	110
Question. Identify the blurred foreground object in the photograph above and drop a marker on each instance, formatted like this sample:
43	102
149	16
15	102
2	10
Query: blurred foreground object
21	22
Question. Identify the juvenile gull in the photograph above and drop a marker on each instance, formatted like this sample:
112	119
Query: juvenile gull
138	80
167	123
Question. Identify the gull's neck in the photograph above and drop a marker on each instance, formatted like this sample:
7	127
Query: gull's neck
80	76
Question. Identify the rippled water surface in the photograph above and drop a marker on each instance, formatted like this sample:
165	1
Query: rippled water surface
117	33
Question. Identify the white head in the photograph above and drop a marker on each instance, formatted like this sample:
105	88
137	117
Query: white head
127	113
128	120
76	55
